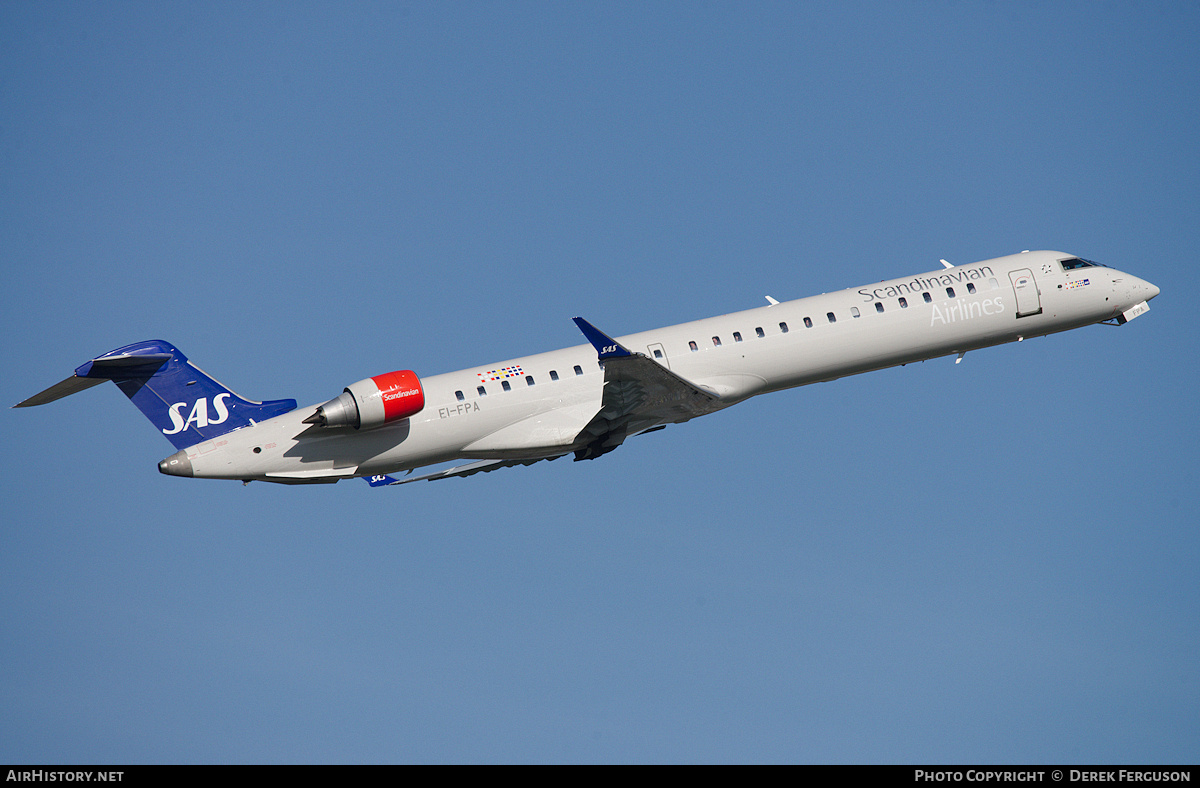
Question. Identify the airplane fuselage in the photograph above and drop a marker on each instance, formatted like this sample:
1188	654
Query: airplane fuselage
537	406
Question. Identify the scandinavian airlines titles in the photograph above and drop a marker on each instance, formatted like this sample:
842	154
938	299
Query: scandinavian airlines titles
962	309
921	284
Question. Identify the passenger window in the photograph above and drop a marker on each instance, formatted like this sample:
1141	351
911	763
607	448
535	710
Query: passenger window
716	341
760	332
808	322
657	353
737	337
994	284
529	380
928	298
578	370
783	328
878	306
692	346
970	287
458	395
553	375
903	302
504	385
950	292
854	312
831	317
482	391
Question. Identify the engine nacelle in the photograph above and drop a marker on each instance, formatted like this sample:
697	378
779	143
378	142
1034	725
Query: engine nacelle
373	402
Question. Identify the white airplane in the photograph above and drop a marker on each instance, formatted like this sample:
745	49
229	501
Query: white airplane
588	399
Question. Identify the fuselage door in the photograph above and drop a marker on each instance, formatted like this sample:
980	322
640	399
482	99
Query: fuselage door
658	354
1029	301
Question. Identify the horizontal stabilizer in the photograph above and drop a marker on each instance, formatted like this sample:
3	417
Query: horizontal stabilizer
185	404
65	388
98	370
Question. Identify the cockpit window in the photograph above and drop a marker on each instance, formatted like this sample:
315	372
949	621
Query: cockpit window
1072	263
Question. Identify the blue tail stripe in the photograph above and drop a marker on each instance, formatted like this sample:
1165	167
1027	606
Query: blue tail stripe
184	403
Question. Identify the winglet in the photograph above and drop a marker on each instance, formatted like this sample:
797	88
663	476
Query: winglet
606	346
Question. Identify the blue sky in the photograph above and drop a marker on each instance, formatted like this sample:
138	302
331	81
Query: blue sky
989	562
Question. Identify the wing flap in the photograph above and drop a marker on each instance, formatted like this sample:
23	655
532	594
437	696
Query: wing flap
314	473
470	469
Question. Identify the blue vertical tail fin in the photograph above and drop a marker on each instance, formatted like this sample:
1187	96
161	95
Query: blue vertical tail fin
184	403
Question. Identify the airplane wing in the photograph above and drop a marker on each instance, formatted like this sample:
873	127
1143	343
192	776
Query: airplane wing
470	469
639	395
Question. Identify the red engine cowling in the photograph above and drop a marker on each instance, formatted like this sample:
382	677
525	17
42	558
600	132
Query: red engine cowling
373	402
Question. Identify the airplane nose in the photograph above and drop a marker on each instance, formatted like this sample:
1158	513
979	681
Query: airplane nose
1142	289
177	464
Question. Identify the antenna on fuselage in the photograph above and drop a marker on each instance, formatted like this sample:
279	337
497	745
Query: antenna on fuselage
948	265
771	301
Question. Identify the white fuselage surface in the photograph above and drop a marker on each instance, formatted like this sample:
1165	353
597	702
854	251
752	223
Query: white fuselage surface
546	405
